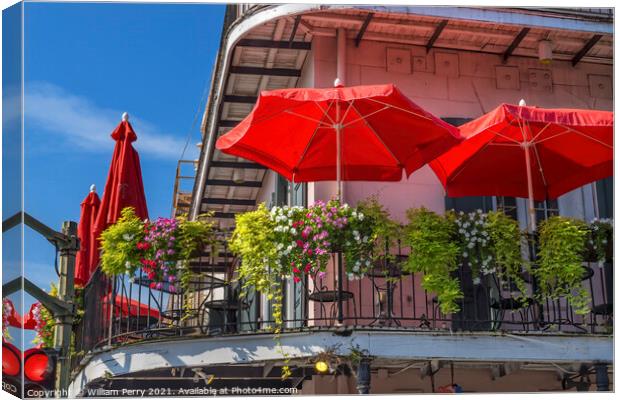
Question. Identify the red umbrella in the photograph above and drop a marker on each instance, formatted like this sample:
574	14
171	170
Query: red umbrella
89	208
123	188
529	152
14	319
30	322
129	307
361	133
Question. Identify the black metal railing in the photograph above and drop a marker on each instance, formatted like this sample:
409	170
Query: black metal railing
123	310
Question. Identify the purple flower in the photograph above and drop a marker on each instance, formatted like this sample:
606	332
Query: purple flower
172	289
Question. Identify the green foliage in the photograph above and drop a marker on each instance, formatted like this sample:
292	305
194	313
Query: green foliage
385	231
45	323
118	244
600	239
253	240
434	253
506	239
559	270
192	237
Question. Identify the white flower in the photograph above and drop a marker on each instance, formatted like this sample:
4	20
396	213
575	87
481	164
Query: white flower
476	281
465	254
127	264
293	231
127	237
361	217
365	239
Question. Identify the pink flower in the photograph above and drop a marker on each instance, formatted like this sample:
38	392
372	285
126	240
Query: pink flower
308	267
300	243
296	279
296	270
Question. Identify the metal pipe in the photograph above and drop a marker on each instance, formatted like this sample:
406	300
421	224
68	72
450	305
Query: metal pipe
341	55
66	293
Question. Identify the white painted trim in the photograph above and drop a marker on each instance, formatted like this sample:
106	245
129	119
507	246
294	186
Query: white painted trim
499	16
397	345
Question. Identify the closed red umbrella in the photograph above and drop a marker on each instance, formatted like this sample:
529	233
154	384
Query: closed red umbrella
123	187
361	133
88	213
30	321
129	307
529	152
13	318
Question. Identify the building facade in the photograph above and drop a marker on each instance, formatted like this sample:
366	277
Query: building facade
456	62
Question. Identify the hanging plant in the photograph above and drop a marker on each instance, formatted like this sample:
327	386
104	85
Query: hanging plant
559	270
600	240
506	239
474	242
45	322
162	248
7	310
119	244
385	231
434	253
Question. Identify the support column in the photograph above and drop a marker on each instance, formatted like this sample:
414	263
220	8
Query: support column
602	378
341	55
66	293
363	376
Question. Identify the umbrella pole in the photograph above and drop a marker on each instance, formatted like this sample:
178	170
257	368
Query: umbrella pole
530	189
338	160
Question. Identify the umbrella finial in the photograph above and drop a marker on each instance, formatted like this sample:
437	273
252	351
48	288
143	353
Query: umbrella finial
338	83
522	103
125	117
93	188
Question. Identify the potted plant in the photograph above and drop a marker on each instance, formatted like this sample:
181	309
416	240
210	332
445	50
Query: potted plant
162	248
490	243
599	247
386	234
559	267
434	253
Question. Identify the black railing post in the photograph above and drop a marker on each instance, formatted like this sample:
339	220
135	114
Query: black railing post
340	278
602	378
363	376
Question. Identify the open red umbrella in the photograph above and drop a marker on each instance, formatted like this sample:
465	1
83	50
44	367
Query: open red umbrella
361	133
123	187
529	152
88	213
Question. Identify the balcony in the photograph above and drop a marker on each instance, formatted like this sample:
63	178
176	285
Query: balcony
384	300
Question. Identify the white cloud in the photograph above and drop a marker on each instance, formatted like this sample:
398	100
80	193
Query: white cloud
87	125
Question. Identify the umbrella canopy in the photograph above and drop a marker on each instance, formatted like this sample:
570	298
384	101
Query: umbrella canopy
123	187
129	307
529	152
88	213
361	133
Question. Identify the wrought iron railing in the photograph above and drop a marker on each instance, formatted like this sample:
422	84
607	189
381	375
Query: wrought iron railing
123	310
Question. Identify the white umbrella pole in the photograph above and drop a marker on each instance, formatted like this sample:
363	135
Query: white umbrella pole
338	127
530	189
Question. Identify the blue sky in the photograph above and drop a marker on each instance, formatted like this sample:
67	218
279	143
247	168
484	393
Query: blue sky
84	65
